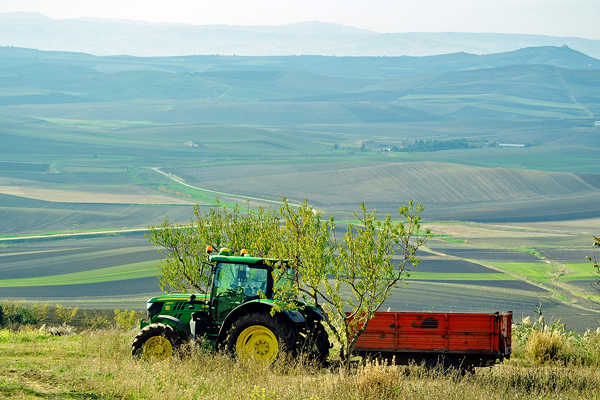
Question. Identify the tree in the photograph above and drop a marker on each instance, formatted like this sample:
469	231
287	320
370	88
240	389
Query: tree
349	280
185	266
596	264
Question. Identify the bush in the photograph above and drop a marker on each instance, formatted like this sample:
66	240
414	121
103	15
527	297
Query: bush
17	312
96	321
126	319
544	344
65	314
36	312
13	311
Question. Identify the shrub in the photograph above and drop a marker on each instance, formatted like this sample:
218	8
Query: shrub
12	311
36	312
543	346
65	314
17	312
126	319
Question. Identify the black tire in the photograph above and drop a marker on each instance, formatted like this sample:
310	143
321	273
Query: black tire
163	341
317	341
278	337
442	363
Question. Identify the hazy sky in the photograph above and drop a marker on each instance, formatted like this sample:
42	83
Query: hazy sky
579	18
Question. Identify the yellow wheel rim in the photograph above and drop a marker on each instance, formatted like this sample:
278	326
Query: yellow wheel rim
257	342
157	348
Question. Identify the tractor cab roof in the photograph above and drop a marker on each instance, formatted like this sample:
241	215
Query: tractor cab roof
225	256
236	259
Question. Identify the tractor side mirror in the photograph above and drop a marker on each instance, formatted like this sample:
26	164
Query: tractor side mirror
191	301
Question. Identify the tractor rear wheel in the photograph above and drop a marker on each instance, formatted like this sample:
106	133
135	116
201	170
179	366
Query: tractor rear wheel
156	342
317	342
261	337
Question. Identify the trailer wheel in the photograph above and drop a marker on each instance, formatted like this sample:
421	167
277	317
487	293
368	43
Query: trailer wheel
442	363
260	336
155	342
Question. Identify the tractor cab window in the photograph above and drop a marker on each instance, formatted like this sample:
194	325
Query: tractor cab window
240	278
234	283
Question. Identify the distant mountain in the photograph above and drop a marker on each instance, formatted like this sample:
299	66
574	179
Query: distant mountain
117	37
22	59
533	83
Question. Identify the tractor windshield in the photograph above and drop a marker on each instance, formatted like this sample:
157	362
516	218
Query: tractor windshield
236	282
240	278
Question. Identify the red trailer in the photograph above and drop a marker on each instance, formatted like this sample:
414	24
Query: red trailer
462	340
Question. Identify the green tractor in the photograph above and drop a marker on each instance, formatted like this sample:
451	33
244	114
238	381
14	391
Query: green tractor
235	316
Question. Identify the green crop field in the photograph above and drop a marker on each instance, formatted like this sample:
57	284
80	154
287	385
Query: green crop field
117	273
455	276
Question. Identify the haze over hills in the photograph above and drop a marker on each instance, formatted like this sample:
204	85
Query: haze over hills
117	37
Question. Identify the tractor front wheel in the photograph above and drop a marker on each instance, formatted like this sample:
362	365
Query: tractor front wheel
156	342
261	337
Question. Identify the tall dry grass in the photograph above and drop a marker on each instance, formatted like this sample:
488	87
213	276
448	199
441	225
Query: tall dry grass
542	343
96	364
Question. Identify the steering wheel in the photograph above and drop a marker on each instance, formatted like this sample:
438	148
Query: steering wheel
233	291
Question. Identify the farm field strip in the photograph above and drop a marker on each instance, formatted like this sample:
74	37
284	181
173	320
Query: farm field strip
74	264
525	111
450	265
536	272
77	196
109	290
490	97
507	287
213	192
34	253
449	276
69	253
57	235
142	269
578	272
380	184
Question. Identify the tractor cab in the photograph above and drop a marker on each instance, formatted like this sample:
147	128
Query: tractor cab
237	280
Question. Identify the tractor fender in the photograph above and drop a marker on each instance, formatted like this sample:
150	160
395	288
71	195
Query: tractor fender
291	317
314	314
180	327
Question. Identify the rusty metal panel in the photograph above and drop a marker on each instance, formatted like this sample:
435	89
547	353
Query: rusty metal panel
420	331
389	331
380	333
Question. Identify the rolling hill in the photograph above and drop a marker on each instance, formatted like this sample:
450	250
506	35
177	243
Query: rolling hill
446	189
302	126
534	83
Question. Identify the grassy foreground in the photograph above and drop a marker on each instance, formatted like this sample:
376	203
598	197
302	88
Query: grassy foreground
96	364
